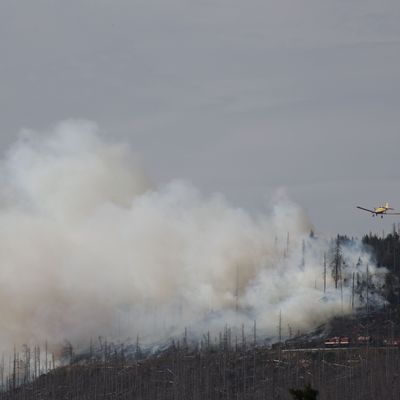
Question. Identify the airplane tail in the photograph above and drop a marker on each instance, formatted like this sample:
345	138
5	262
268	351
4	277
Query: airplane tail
388	207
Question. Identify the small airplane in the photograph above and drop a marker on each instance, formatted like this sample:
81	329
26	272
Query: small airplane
382	210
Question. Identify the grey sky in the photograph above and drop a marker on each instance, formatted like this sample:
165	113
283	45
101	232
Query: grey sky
239	97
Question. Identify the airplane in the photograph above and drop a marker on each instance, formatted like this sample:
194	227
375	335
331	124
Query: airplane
382	210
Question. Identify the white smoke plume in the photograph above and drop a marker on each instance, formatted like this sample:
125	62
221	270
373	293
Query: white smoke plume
88	247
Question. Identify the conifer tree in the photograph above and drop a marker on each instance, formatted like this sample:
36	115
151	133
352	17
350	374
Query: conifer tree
308	393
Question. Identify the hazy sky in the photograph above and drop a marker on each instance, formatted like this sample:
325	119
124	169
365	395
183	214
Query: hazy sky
239	97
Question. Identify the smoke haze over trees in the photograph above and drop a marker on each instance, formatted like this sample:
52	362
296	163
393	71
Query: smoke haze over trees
90	247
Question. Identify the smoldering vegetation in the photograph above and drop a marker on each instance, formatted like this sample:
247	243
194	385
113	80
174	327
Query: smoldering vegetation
222	367
223	372
91	249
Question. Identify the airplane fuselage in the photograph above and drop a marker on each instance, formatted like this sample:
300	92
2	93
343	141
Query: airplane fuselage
380	210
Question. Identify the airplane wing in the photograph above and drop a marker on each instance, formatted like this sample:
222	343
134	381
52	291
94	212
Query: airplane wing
366	209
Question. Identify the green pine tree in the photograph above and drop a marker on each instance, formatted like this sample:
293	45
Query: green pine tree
308	393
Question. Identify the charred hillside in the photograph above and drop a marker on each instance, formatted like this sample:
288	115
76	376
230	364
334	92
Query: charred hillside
258	373
226	369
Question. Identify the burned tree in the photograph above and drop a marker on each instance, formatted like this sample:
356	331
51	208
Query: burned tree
337	261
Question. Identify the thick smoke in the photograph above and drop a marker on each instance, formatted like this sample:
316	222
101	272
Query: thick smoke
89	248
